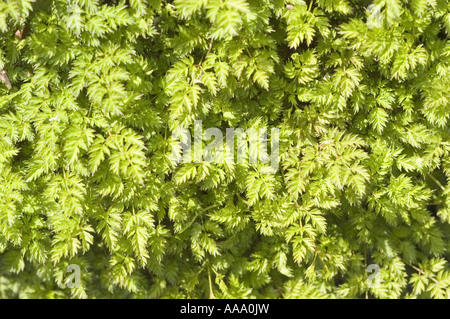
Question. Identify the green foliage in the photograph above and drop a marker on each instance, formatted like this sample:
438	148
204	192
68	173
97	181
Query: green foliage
90	92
